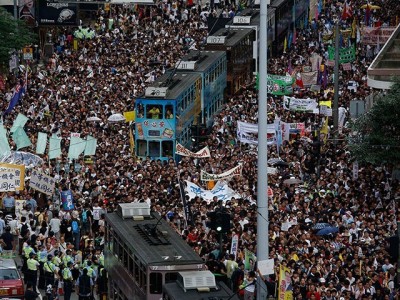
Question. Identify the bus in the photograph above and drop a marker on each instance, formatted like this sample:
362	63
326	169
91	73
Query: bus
142	254
165	114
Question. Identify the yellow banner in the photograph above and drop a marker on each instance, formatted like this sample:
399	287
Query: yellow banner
327	103
130	116
285	284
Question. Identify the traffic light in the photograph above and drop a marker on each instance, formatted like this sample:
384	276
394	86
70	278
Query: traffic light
219	221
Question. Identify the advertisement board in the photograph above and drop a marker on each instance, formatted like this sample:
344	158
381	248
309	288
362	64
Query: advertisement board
57	13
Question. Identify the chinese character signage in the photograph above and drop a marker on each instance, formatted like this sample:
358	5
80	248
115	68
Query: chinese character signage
19	174
7	181
42	183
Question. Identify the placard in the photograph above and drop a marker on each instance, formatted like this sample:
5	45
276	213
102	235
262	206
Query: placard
7	181
266	267
19	172
42	183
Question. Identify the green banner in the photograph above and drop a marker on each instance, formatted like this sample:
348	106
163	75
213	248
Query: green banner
345	54
277	84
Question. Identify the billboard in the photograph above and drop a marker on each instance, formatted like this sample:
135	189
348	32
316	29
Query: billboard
57	13
26	10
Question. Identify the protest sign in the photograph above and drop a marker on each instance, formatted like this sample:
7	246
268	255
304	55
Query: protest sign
42	183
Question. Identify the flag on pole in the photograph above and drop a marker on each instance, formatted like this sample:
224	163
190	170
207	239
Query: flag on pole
4	145
367	15
41	143
285	45
347	12
19	91
285	290
131	142
20	138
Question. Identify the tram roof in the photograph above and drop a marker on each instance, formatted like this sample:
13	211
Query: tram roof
233	35
204	58
175	82
178	251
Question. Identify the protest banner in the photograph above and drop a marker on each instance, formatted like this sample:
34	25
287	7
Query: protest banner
278	85
204	176
42	183
67	200
249	260
235	244
346	54
181	150
221	190
285	290
301	105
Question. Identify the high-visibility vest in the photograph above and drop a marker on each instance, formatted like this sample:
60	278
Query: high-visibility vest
32	264
67	275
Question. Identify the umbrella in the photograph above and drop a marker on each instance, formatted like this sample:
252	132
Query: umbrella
21	158
292	180
320	226
116	118
328	230
370	6
93	119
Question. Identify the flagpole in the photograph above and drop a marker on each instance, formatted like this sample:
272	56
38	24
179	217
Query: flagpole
262	177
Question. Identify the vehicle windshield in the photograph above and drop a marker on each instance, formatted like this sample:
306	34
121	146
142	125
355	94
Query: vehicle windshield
8	274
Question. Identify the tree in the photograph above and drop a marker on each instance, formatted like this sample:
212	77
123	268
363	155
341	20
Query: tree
376	134
14	35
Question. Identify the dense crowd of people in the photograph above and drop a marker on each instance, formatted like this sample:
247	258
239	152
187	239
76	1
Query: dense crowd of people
131	48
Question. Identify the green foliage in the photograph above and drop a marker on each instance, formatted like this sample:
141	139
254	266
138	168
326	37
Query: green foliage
376	136
14	34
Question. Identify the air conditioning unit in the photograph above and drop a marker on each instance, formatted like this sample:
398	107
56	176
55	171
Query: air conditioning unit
130	210
200	280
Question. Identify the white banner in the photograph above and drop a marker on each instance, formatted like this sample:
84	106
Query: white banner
7	181
309	78
42	182
204	176
247	133
221	190
205	152
235	244
342	116
303	105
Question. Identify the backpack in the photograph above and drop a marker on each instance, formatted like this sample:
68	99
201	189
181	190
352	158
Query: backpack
24	230
84	216
75	226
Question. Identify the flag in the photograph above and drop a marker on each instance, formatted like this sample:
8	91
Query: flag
19	91
347	12
76	147
91	145
20	121
4	145
54	147
325	129
41	143
325	77
285	45
290	68
367	15
354	28
20	138
131	141
299	81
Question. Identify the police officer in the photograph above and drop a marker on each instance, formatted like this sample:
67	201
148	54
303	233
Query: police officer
67	278
50	271
67	258
42	261
90	270
32	265
84	286
26	250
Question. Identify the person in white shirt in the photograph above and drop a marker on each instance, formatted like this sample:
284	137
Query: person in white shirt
55	225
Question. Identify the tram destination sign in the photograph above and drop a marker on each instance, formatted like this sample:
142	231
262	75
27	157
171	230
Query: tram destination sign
213	39
152	91
242	20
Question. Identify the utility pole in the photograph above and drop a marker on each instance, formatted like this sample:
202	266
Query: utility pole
15	9
336	82
398	253
262	179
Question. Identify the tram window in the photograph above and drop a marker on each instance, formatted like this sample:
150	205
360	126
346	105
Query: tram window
169	112
171	277
155	283
130	264
140	110
136	271
154	111
142	148
154	149
167	148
